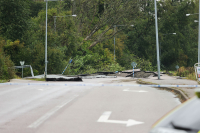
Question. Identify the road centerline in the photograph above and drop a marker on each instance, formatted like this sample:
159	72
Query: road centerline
50	113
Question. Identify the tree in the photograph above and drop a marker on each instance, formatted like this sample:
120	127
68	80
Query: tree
95	20
14	15
6	65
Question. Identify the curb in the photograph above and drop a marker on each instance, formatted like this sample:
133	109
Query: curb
176	91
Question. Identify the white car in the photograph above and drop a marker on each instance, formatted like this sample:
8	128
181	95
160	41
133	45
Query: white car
183	119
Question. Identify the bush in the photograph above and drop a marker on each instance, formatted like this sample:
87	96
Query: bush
127	59
6	65
188	72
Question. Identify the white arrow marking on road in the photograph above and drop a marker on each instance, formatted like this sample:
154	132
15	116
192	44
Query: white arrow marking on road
104	118
134	90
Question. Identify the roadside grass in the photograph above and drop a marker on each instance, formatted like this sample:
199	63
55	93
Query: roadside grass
16	77
3	81
41	79
187	72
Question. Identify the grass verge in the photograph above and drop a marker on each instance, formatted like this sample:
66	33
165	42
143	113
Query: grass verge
41	79
3	81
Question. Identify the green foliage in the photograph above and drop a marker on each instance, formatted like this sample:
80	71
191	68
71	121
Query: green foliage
127	59
6	65
174	49
186	72
14	50
36	7
88	38
91	61
14	15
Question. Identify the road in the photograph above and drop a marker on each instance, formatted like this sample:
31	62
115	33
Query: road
82	109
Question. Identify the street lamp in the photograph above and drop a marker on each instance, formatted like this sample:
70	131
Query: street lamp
191	14
60	17
198	32
114	36
45	73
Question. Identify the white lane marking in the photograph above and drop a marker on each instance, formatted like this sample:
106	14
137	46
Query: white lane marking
104	118
134	90
41	89
50	113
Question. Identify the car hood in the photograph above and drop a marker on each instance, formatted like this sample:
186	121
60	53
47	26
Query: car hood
189	116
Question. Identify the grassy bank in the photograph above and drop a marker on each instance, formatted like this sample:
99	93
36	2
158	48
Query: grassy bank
3	81
187	72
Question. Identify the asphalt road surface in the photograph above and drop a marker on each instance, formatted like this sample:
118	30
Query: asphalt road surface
82	109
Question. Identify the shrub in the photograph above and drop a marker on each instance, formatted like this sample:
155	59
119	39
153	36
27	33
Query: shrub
6	65
186	72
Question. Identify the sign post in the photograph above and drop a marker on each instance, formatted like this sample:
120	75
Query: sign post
22	64
177	67
67	66
134	64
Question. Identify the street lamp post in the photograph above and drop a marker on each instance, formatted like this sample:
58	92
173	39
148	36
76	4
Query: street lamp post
22	64
45	73
114	41
157	44
60	17
114	36
198	32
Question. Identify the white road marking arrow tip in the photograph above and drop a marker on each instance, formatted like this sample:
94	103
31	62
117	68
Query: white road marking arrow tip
134	90
133	122
142	91
104	118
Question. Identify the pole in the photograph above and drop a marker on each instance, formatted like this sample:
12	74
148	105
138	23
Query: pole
199	37
67	66
133	72
157	44
114	41
46	44
22	71
160	52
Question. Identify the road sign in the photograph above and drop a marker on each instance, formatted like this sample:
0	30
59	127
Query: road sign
197	70
198	73
177	67
22	63
133	64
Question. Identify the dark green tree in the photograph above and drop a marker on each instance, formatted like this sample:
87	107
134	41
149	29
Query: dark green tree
14	15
